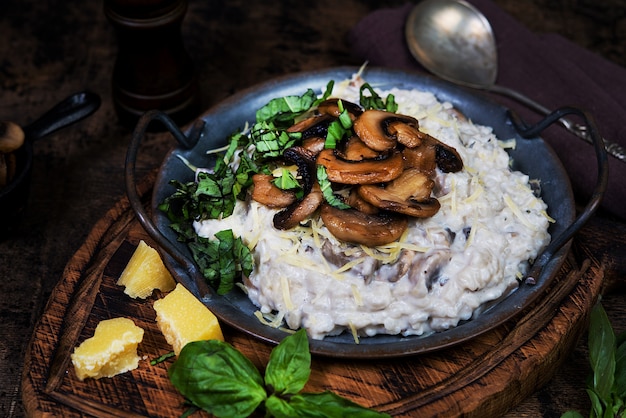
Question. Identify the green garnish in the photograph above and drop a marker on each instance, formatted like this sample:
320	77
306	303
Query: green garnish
216	377
327	191
162	358
222	260
606	385
338	128
287	181
373	101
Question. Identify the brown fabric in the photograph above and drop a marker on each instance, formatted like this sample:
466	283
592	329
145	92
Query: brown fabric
546	67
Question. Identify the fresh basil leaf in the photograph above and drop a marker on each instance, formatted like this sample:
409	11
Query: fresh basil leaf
289	366
216	377
327	191
601	352
280	408
572	414
331	405
620	371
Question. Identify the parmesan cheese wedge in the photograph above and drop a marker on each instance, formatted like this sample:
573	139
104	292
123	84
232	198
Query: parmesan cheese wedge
182	318
110	351
145	272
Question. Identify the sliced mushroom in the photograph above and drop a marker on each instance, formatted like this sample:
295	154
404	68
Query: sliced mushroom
315	144
305	160
448	159
373	128
315	126
266	193
431	153
331	107
355	150
406	134
363	172
408	194
354	200
356	227
299	211
422	158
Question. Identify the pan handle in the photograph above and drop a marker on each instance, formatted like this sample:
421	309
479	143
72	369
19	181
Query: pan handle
70	110
135	200
602	179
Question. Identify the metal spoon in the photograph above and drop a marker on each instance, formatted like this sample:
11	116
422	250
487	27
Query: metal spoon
454	40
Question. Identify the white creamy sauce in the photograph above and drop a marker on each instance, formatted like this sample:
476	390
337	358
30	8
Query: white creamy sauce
442	270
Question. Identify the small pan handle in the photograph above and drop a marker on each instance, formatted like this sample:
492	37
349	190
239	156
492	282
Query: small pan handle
559	241
135	199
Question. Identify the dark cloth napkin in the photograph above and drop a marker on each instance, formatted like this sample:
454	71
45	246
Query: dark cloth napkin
546	67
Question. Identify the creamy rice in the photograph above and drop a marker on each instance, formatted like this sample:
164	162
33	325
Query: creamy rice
442	270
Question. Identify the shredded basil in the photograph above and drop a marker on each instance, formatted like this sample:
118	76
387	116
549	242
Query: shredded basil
372	100
327	191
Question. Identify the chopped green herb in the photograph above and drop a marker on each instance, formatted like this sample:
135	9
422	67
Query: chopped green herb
287	181
327	191
373	101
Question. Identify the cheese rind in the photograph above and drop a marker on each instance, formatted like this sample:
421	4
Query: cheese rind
110	351
182	318
145	272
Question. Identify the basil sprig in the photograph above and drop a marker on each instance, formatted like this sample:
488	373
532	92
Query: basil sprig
606	385
216	377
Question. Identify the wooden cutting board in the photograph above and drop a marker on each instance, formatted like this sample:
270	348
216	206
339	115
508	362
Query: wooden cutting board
483	377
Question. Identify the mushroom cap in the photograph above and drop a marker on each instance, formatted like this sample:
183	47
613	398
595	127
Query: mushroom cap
300	210
356	227
373	128
266	193
373	171
408	194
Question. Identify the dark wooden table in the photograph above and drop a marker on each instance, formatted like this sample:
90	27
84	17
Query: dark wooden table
49	50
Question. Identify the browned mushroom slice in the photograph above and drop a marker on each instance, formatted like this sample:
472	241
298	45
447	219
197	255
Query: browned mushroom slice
356	227
374	171
422	158
299	211
408	194
315	126
373	128
431	153
448	159
266	193
331	107
354	200
355	150
314	144
405	133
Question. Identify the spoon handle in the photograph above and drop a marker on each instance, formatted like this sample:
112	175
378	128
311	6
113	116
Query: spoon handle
580	131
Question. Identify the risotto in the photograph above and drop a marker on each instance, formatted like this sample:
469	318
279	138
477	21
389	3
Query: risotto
440	271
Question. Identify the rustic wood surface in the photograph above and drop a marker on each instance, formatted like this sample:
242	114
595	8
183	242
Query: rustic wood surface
52	49
484	377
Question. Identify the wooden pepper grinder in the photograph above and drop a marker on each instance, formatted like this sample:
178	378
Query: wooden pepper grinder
152	69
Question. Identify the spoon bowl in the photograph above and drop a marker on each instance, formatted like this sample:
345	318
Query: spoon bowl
453	40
